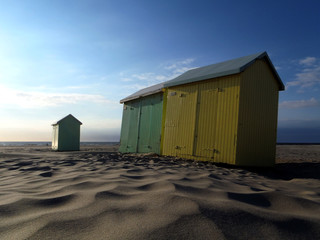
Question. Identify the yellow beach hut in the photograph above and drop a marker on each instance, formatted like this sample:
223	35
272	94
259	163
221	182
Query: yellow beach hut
225	112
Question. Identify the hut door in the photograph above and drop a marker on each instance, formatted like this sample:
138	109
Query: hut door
144	125
180	121
150	124
205	129
129	131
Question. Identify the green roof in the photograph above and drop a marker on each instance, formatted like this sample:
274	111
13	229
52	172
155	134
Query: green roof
144	92
68	116
221	69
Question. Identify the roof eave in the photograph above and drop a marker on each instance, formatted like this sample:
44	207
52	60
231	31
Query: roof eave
275	73
127	99
202	78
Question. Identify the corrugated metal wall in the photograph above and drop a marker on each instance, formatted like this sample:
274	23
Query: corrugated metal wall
149	137
180	121
69	135
206	124
227	119
130	126
257	116
141	125
201	120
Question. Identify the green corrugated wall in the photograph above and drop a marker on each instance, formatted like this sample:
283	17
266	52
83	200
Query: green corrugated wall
141	125
68	135
129	128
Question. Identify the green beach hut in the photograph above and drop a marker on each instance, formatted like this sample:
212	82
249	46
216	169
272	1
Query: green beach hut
66	134
141	121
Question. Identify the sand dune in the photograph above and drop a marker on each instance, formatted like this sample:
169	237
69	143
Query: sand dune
100	194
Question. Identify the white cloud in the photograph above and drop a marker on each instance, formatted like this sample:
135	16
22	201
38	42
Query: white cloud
142	80
37	99
180	67
135	87
299	123
150	78
308	76
300	103
178	64
308	61
126	79
277	67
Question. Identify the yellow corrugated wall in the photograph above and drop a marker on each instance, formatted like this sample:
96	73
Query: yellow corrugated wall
206	124
256	142
227	119
180	121
201	120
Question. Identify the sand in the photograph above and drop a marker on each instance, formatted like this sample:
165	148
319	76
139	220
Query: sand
97	193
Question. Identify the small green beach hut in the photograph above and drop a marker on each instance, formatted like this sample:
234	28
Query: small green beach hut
66	134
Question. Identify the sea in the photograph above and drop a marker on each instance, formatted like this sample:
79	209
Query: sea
19	144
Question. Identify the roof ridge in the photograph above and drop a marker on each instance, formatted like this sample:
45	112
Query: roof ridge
214	70
69	115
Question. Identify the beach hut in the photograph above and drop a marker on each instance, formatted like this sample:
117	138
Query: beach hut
225	112
66	134
141	121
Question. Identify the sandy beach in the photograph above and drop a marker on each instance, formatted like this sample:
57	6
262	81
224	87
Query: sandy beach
97	193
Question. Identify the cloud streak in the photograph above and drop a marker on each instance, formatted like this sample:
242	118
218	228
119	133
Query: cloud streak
33	99
307	61
170	71
309	75
300	103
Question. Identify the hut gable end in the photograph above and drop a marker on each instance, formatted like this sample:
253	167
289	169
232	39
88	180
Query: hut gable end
69	117
258	113
226	68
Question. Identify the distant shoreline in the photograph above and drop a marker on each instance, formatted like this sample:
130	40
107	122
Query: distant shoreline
285	143
40	143
44	143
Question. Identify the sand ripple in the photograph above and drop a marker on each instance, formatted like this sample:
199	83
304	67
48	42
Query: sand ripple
106	195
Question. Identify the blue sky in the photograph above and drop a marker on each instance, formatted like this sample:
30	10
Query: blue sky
83	56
